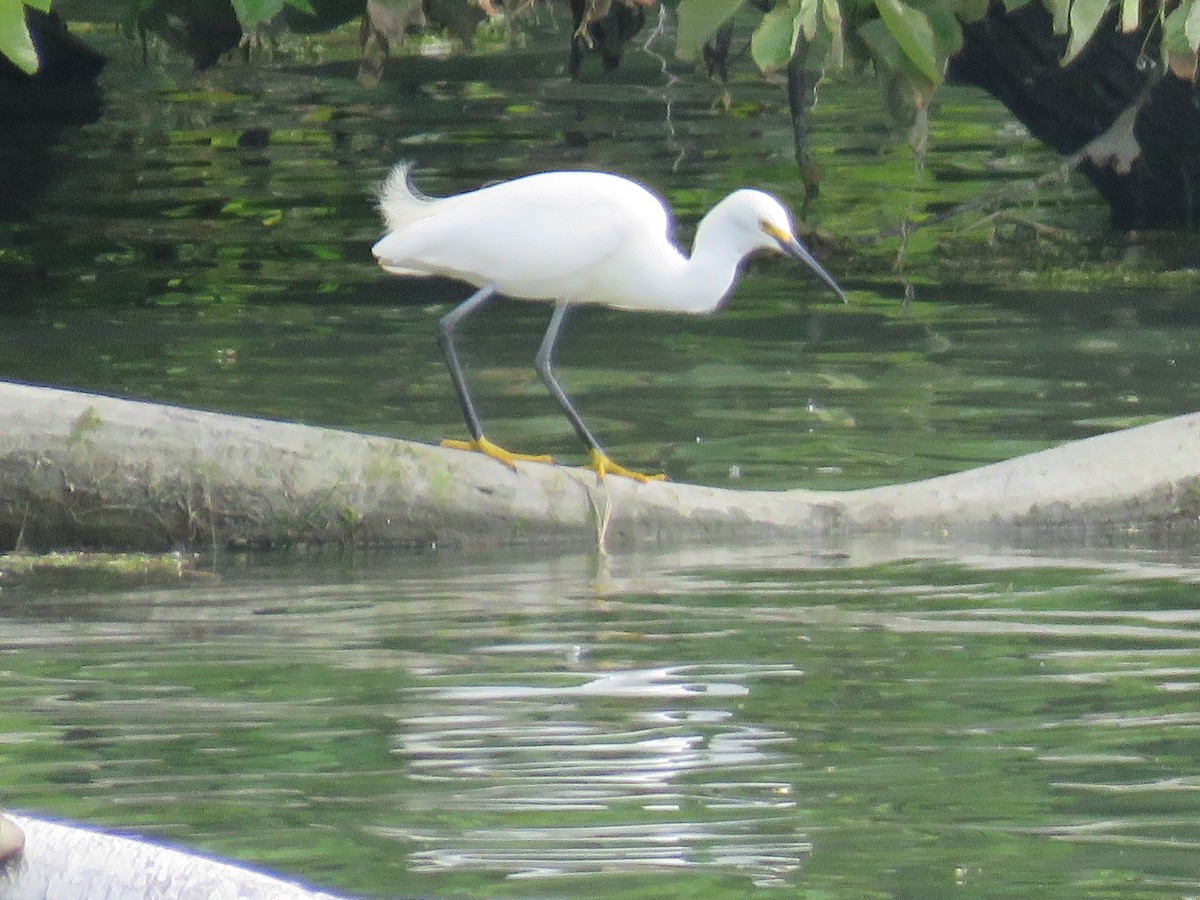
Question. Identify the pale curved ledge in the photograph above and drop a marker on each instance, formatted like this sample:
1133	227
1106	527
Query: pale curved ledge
80	469
63	861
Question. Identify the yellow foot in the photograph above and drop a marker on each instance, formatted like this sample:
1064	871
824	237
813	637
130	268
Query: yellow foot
487	448
602	466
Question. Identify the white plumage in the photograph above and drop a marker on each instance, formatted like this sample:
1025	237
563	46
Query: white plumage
573	238
578	237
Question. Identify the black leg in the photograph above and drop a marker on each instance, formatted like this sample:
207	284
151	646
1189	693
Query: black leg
545	368
445	336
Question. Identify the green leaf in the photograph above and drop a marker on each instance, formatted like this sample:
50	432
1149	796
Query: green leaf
15	42
911	29
808	17
1191	25
1174	36
1178	52
253	13
883	46
1085	19
972	10
699	19
1060	11
39	5
305	6
947	31
774	40
832	13
1130	15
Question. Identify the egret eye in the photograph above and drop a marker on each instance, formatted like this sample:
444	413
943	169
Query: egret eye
774	231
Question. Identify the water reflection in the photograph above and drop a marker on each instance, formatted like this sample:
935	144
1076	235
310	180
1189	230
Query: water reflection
702	786
218	257
861	720
878	718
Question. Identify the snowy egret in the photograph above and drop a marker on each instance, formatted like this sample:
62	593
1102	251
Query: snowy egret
572	238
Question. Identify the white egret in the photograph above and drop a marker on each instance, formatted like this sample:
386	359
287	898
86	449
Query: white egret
572	238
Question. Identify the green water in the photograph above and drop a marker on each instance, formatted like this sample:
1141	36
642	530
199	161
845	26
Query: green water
699	724
879	721
206	242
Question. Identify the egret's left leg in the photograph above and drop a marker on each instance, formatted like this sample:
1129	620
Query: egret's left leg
599	460
447	328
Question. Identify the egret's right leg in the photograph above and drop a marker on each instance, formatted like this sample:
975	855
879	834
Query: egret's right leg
598	460
447	325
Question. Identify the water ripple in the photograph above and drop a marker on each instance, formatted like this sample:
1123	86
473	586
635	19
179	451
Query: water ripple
705	784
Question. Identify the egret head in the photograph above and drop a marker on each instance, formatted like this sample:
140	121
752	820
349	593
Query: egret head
768	226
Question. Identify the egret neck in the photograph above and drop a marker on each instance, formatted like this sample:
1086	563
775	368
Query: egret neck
700	283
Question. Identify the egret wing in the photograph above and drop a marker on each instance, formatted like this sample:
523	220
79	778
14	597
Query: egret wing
542	237
526	254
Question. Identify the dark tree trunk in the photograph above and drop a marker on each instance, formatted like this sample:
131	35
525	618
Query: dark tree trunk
607	35
63	91
1146	164
34	110
802	81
